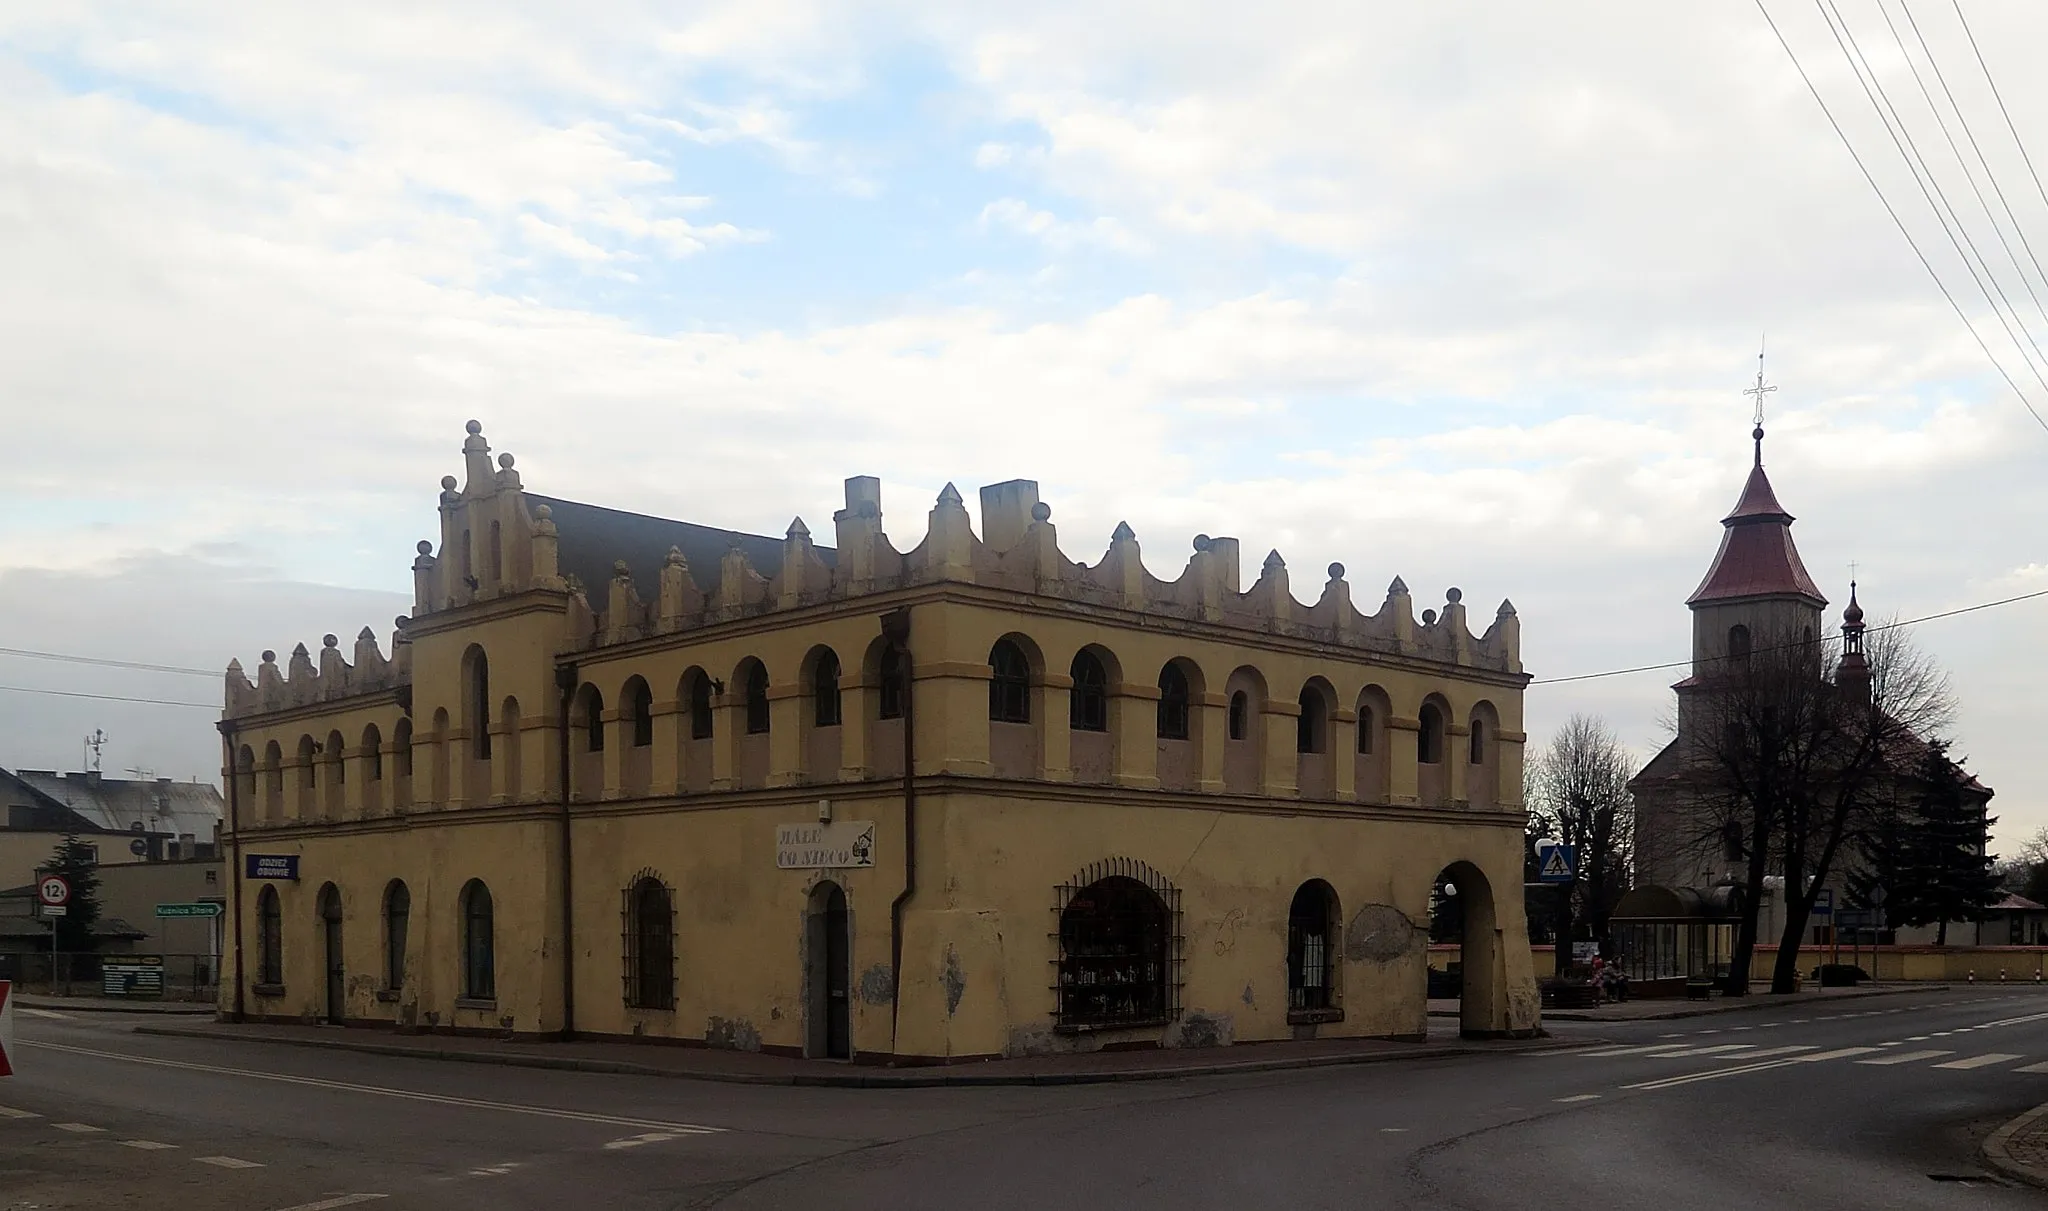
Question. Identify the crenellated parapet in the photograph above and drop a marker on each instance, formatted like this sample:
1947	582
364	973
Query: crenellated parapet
628	577
306	679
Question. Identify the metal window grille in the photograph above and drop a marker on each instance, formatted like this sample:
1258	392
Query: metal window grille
1309	967
1118	947
269	938
1173	704
647	932
1009	686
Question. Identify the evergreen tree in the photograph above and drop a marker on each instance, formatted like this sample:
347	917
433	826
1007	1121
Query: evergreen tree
77	862
1945	875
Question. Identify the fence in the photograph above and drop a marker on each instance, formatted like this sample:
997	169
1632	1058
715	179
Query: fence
169	977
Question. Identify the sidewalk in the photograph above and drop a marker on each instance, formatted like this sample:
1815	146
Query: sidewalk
112	1005
753	1068
2020	1148
1664	1010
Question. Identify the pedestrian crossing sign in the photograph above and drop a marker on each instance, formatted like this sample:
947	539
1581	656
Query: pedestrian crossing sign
1554	864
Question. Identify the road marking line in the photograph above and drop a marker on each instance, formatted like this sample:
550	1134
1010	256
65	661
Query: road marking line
1982	1061
1713	1074
1839	1053
1679	1035
339	1200
79	1128
509	1166
11	1112
1733	1029
228	1162
1577	1097
2033	1068
1710	1032
26	1012
1392	1130
147	1145
1721	1049
1605	1051
437	1099
634	1141
1801	1021
1792	1050
1904	1057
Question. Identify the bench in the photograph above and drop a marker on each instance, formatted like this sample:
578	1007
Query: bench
1559	994
1698	988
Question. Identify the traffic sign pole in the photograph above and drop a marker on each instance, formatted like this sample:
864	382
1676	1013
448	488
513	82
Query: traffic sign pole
6	1027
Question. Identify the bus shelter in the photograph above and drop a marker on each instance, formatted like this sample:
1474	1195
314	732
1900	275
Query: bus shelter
1667	937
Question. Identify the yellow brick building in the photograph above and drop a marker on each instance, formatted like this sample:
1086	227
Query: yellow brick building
633	777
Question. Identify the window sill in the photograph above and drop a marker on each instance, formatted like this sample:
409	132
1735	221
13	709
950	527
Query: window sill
1094	1027
387	995
486	1003
1306	1017
267	990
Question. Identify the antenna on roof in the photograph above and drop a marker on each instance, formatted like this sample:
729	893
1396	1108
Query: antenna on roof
92	750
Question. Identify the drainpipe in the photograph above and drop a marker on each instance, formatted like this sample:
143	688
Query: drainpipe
234	864
896	629
565	682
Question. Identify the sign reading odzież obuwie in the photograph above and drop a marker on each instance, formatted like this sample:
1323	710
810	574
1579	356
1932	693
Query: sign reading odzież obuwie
846	843
273	866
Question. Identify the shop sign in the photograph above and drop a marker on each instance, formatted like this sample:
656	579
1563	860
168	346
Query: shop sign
274	866
842	844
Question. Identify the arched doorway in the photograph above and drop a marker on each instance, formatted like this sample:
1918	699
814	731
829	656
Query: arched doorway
330	930
828	1025
1461	911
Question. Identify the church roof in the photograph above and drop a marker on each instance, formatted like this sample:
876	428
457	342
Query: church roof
1757	557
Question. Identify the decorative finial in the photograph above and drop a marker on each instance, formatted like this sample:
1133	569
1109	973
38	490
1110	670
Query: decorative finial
328	640
1507	609
505	460
1398	587
543	513
620	571
1336	571
1759	391
1853	616
675	557
1123	533
474	427
1273	560
424	547
797	529
1041	512
1429	618
1203	542
269	656
949	495
1454	596
447	483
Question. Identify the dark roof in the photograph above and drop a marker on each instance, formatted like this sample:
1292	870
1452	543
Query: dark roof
1757	556
119	804
2015	902
593	538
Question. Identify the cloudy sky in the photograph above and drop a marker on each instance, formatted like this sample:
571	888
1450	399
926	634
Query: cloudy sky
1462	292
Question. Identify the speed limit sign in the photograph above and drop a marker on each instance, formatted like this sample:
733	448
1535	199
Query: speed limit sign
53	891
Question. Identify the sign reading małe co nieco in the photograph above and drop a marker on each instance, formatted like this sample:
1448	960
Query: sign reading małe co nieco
274	866
847	843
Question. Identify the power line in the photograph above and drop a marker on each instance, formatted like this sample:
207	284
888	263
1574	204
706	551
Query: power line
1883	626
2000	98
1930	189
1896	221
111	664
26	689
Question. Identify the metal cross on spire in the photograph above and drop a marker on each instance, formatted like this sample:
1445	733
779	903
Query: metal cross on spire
1759	391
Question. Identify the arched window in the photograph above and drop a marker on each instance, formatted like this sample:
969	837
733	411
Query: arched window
245	777
590	707
479	943
401	747
373	753
1738	642
269	938
308	774
640	707
1429	735
700	707
1311	727
1478	742
336	767
1114	955
480	704
650	945
1088	708
1009	686
1365	728
757	699
397	918
1173	703
1311	957
1240	715
892	694
825	691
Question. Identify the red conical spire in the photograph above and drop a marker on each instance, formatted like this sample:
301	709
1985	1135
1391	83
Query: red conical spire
1757	556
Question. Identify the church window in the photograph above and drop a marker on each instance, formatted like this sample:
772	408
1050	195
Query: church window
1173	703
1738	642
1088	709
1009	686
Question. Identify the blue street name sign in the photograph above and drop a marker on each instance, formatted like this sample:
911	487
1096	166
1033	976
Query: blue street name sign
1824	902
274	866
1555	864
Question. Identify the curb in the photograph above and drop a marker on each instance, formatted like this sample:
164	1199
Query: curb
56	1003
2001	1157
855	1080
1761	1000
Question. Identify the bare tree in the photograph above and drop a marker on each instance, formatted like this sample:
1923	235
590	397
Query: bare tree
1796	747
1579	788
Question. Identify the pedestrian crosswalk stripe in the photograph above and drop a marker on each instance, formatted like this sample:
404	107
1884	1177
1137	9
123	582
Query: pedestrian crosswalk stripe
1981	1061
1839	1053
2043	1067
1906	1057
1716	1050
148	1145
11	1112
78	1128
1769	1051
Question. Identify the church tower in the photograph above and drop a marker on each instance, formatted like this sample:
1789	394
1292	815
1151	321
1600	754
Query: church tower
1757	592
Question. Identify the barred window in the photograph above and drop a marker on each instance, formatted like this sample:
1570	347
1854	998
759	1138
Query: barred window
479	943
269	938
1088	709
1009	687
1120	948
1311	962
648	935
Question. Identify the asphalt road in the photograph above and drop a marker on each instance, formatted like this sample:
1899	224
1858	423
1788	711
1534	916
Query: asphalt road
1857	1104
